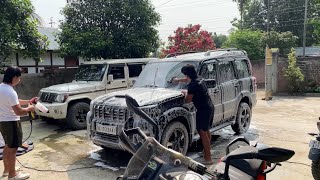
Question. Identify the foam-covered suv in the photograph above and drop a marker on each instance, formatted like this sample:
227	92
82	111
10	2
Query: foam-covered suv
231	86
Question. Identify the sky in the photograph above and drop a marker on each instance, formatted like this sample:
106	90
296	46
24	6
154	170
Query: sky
212	15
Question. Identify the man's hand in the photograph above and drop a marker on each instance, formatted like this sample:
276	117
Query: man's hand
184	92
31	108
174	80
34	100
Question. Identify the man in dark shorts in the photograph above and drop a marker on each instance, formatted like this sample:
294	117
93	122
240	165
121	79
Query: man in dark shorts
10	126
198	94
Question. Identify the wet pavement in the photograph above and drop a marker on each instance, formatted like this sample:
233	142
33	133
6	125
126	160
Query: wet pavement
283	122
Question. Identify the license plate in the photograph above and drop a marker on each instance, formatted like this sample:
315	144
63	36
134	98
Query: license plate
106	129
314	144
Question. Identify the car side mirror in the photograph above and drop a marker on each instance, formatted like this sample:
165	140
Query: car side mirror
133	81
211	83
110	78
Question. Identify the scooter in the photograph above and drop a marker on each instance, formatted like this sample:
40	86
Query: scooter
153	161
314	154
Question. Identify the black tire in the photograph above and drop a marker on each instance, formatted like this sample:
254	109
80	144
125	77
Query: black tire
315	169
76	117
243	119
176	137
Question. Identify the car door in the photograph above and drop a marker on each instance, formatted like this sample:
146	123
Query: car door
229	84
243	75
209	70
134	72
119	77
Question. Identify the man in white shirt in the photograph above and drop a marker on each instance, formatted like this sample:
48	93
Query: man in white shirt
10	126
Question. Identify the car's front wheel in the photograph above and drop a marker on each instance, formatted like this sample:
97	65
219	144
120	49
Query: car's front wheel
175	136
243	119
76	117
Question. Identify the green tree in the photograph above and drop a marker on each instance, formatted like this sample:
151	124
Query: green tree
19	31
241	6
247	40
219	39
293	73
109	29
284	41
285	15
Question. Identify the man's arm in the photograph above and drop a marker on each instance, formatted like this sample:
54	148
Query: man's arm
23	102
187	97
177	80
34	100
19	111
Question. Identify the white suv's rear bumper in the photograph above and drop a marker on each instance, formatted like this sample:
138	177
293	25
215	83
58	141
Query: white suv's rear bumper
56	110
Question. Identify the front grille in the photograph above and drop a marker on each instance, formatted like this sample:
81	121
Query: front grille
111	113
108	137
48	97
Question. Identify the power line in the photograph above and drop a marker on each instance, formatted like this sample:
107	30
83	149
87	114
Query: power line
164	3
194	3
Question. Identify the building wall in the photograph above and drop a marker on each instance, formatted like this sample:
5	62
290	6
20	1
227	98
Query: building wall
56	61
258	68
31	84
310	67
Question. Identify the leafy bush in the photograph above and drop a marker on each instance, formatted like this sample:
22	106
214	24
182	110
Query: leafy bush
293	74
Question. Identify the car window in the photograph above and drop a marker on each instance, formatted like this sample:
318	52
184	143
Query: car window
209	71
242	68
135	69
226	71
117	71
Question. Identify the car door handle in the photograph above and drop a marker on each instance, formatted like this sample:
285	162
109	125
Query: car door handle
123	81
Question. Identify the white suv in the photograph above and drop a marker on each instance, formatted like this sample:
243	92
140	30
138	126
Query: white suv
71	101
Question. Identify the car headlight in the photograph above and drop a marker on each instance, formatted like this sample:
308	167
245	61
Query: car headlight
61	98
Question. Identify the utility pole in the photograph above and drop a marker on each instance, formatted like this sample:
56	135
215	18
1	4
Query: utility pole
51	21
305	27
268	17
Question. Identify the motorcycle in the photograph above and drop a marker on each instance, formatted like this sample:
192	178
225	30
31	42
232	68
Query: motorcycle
151	160
314	153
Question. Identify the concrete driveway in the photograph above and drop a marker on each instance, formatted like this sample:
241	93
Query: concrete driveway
283	122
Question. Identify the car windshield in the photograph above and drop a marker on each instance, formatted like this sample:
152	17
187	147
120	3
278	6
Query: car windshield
158	74
90	72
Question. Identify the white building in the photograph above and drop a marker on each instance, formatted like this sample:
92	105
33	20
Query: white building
50	59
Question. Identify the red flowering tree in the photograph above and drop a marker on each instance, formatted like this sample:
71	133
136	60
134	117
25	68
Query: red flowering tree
190	38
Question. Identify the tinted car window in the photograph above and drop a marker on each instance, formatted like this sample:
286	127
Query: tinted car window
242	68
134	69
209	71
117	71
226	71
90	72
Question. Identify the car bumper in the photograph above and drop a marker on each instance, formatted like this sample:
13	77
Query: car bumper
102	139
56	110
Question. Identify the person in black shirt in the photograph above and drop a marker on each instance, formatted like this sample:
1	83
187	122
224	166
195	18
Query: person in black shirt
198	94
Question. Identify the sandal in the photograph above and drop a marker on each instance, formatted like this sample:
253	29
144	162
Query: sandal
5	174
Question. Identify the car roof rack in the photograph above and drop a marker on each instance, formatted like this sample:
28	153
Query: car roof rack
179	53
227	49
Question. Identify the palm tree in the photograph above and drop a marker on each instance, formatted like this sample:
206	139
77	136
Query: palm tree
241	5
